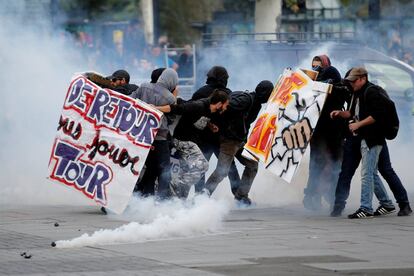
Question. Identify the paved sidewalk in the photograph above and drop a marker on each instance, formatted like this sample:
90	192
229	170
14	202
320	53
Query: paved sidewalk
257	241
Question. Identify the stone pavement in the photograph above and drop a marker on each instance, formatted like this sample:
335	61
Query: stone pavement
256	241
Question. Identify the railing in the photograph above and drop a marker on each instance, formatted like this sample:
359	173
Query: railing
289	37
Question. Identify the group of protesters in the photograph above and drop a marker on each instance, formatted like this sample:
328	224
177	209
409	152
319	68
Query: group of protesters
350	131
216	121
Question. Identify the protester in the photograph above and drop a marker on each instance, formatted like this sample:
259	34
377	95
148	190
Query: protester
120	82
158	165
193	164
217	78
366	113
325	145
243	110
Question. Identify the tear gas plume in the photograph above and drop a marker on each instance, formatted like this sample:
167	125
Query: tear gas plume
156	221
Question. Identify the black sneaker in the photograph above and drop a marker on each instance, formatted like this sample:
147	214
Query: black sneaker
382	211
405	209
360	214
336	211
312	203
103	210
244	200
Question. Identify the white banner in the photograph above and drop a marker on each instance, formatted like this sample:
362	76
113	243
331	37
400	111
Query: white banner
283	129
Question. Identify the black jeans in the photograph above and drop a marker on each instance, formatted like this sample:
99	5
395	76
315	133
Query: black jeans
158	167
324	168
388	173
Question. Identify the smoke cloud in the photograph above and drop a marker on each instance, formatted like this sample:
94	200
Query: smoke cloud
38	66
153	220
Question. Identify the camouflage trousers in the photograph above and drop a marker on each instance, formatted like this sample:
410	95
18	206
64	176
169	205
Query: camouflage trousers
192	165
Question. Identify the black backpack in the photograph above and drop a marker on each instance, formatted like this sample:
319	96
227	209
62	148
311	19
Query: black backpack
389	121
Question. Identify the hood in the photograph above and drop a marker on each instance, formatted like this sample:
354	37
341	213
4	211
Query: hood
326	62
263	90
217	75
168	79
155	75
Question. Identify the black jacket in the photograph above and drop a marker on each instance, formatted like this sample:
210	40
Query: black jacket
371	103
208	137
328	129
126	89
191	111
242	111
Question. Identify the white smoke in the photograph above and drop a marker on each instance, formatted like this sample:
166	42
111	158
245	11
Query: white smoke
154	220
37	68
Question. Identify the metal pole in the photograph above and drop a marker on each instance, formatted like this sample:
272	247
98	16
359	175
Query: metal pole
194	66
166	56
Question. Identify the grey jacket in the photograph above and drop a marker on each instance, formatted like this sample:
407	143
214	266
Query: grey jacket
155	94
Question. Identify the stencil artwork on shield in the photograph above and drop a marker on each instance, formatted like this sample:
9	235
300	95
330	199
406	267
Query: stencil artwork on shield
284	128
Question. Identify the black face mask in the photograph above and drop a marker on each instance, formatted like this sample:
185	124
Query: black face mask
317	68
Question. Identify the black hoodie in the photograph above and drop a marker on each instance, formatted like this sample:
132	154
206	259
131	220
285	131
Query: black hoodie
216	79
243	110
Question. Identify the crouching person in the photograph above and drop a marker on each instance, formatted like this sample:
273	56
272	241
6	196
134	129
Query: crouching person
243	110
193	164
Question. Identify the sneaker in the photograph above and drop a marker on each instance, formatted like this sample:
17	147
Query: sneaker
103	210
382	211
244	200
336	211
405	209
360	214
312	203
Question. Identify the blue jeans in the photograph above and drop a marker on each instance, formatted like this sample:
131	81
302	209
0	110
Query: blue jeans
370	180
388	173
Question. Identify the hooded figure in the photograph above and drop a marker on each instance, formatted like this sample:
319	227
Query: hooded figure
325	145
243	110
327	73
217	78
155	75
168	79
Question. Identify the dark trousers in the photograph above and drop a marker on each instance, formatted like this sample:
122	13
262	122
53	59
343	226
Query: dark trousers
388	173
158	167
208	151
350	162
229	149
324	168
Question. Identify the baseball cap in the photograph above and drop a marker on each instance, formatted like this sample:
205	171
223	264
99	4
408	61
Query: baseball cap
356	72
119	74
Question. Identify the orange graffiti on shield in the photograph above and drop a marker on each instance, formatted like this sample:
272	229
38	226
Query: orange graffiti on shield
262	135
282	93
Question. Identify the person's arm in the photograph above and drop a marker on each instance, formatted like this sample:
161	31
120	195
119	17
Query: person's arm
182	107
189	107
341	114
164	108
357	125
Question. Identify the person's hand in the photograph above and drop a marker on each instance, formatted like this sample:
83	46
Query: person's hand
353	127
335	114
213	127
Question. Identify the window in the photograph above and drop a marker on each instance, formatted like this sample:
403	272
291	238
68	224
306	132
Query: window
394	80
